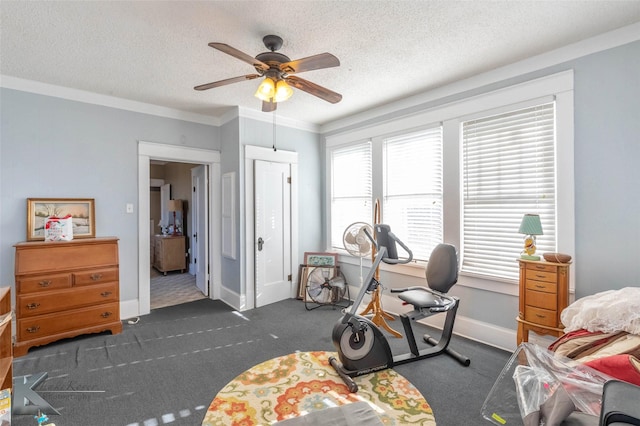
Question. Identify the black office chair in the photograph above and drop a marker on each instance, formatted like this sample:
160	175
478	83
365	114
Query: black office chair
620	404
441	274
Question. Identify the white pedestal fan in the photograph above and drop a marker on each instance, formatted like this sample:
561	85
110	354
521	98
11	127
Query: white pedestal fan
356	241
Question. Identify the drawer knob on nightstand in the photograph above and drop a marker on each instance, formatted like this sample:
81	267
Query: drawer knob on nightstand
45	283
33	305
105	294
106	314
96	277
33	329
541	316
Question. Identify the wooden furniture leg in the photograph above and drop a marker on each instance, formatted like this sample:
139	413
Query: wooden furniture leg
379	315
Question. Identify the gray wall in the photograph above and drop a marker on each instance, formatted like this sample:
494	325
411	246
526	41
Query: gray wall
52	147
607	180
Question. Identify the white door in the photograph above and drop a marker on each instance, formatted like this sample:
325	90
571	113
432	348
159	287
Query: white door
200	228
272	232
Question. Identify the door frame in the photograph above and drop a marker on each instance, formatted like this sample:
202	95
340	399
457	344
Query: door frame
148	151
252	153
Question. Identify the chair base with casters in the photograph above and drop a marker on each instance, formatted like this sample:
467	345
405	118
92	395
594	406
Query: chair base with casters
426	303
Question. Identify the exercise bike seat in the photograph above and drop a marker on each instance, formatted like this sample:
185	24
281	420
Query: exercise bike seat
421	299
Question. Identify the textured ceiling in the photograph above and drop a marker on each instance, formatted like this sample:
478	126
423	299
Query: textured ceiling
156	52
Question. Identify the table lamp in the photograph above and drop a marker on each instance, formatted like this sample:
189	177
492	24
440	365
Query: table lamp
175	206
530	227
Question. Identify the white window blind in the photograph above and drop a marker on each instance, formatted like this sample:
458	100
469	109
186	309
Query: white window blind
351	189
508	170
412	203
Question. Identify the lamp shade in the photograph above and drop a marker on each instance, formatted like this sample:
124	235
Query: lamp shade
175	205
267	90
530	225
283	91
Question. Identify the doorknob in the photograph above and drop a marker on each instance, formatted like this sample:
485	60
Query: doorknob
260	243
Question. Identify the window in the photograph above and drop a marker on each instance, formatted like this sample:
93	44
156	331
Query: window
508	169
412	202
468	180
351	189
407	178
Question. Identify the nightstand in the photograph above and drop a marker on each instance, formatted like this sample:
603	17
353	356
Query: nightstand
544	293
169	253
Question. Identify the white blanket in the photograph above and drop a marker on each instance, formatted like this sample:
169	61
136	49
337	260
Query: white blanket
608	311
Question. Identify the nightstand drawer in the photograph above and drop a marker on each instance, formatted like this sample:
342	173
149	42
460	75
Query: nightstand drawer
542	286
542	300
550	277
44	283
540	316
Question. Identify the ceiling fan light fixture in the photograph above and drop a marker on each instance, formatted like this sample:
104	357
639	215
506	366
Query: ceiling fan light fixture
266	91
283	91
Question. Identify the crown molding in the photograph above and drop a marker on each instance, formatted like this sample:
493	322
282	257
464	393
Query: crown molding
68	93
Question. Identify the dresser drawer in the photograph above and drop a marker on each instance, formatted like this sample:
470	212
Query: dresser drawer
542	300
544	286
540	316
46	325
542	272
33	304
95	276
44	283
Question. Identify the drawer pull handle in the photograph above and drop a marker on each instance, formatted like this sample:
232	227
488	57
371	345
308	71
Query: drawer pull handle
33	305
45	283
541	316
541	267
33	329
106	314
105	294
539	276
539	286
96	277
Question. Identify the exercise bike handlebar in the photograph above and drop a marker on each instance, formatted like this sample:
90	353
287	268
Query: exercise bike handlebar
381	256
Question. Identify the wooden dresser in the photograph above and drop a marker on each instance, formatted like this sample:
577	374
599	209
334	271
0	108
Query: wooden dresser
544	293
169	253
64	289
6	341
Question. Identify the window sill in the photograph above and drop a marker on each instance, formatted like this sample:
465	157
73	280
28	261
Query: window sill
417	269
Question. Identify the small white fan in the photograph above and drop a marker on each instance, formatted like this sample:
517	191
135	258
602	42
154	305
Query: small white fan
356	241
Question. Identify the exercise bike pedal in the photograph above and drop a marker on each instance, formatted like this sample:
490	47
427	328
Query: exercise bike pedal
348	380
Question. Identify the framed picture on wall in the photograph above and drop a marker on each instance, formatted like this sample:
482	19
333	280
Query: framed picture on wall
82	211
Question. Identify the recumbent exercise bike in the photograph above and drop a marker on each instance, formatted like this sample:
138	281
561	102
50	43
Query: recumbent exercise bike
361	346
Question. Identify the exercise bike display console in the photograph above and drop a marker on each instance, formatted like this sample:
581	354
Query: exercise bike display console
361	345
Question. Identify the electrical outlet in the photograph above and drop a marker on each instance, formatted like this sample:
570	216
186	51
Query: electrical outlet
129	208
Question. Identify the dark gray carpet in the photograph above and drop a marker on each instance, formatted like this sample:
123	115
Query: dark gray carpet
167	368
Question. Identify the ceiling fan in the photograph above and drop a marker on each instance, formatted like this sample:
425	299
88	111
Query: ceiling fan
277	69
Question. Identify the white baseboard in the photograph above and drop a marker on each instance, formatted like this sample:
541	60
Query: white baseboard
233	299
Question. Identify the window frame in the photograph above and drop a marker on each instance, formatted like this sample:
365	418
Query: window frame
451	115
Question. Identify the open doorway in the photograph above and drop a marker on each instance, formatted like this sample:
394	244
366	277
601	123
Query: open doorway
148	151
175	211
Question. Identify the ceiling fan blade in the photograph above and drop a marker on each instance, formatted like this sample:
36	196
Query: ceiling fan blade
314	89
227	81
269	106
315	62
258	65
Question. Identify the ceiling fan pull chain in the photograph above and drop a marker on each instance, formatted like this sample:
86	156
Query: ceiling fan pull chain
274	131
